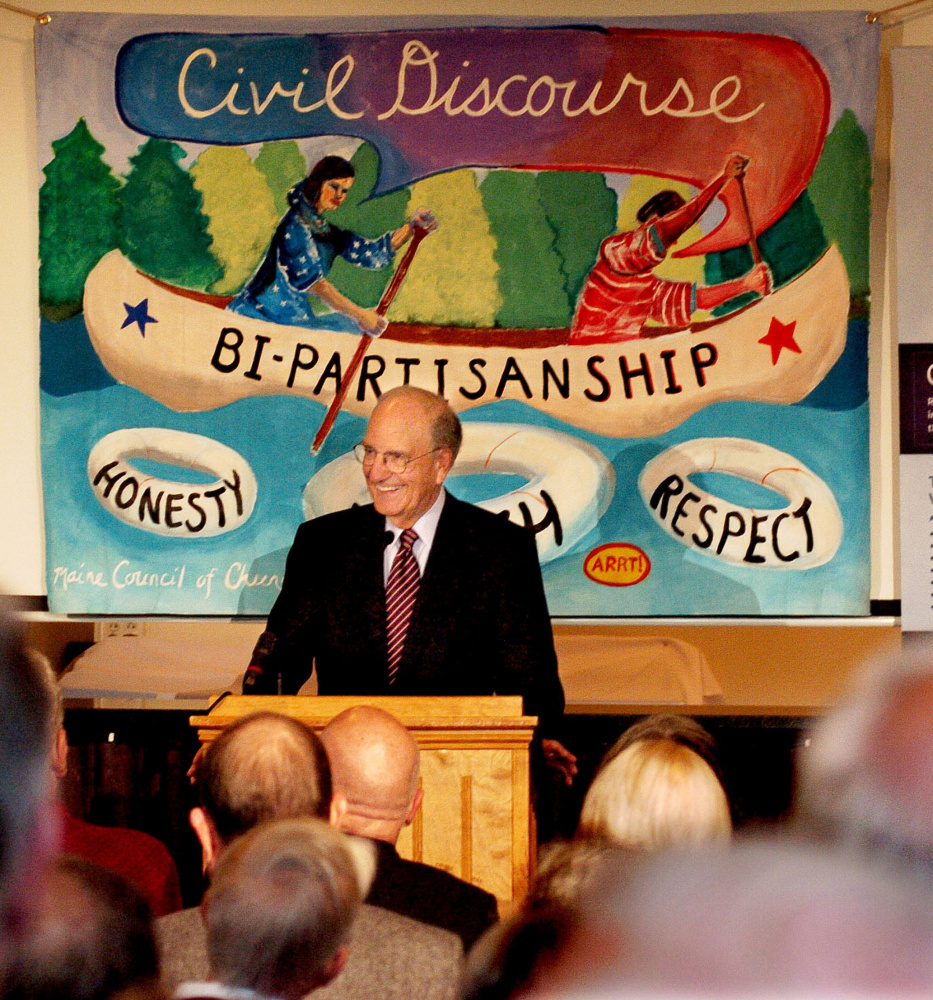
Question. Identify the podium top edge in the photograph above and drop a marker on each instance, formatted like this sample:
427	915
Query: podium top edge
435	724
407	709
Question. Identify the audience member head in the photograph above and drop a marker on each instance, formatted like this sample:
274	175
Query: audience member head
93	938
262	767
28	827
568	871
59	758
656	791
375	766
676	728
281	905
866	772
513	956
765	917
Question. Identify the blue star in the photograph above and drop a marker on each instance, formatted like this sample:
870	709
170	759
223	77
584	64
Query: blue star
138	314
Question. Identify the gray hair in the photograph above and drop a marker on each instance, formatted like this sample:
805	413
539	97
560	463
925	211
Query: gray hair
865	775
568	871
263	767
94	936
282	903
26	732
768	916
447	431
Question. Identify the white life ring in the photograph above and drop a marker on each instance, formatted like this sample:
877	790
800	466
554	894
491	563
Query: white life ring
169	507
805	532
569	483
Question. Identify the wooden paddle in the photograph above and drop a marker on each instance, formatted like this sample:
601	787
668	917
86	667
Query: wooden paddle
365	340
752	238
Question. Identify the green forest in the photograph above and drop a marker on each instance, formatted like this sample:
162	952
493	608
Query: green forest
513	248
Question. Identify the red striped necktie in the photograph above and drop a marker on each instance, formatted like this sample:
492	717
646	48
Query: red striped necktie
401	594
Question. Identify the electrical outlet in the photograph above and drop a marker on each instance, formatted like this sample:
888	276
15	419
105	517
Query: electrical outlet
119	628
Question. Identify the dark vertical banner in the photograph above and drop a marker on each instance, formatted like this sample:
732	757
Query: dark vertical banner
647	297
911	193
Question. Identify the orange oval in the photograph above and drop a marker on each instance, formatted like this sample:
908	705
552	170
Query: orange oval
617	564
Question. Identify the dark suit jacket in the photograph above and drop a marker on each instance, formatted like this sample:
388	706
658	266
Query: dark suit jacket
430	895
480	625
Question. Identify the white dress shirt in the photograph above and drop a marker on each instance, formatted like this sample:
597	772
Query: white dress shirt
425	528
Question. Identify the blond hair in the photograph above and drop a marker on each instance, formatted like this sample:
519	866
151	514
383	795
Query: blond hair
656	794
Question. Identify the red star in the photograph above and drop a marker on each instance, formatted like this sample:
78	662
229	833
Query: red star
779	336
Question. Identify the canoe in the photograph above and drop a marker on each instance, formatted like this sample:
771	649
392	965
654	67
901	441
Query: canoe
185	350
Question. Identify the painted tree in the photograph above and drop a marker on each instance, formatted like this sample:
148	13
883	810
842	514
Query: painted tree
581	209
789	247
77	220
162	228
240	209
370	217
454	277
284	166
840	189
530	280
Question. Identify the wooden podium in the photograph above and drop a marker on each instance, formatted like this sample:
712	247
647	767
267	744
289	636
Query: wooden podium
476	819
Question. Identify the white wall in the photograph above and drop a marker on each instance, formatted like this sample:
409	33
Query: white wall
21	527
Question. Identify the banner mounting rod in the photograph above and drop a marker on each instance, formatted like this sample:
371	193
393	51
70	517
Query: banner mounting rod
879	15
39	18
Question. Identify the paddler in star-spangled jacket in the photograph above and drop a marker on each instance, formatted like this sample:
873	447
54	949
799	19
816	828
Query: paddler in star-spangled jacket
304	248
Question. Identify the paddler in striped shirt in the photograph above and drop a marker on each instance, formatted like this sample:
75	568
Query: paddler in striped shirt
622	293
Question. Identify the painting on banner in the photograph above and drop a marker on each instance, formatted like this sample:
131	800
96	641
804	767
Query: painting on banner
633	256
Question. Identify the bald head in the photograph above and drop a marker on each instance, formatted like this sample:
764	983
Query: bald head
263	767
374	763
430	410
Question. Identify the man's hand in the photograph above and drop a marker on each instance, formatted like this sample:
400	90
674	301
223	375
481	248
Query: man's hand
371	323
735	166
759	279
560	758
423	219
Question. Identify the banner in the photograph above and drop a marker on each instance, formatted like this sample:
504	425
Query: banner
633	255
911	190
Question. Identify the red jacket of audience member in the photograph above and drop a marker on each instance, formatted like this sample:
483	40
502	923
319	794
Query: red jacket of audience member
142	859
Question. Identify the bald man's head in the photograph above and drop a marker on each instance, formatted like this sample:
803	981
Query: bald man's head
263	767
374	765
428	408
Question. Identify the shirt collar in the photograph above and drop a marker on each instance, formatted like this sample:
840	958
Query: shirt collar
217	991
426	525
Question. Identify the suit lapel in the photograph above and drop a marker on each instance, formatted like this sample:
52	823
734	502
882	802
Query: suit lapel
437	565
367	575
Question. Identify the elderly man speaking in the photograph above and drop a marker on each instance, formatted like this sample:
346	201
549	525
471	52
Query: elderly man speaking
417	593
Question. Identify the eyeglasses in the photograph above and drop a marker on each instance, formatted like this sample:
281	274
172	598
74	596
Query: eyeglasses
395	461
